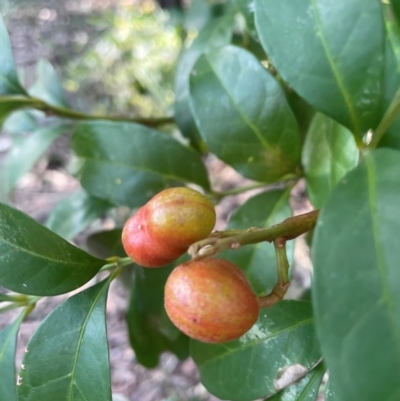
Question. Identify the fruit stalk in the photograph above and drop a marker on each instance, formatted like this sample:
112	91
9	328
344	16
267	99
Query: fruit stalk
233	239
280	288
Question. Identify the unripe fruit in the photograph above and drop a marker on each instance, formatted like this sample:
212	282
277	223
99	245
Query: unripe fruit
163	229
210	300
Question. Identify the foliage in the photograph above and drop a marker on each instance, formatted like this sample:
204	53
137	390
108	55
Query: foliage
282	91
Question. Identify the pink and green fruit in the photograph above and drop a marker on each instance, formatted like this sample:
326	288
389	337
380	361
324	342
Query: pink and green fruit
163	229
210	300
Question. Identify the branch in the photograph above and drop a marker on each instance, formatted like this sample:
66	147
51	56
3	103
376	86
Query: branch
234	239
77	115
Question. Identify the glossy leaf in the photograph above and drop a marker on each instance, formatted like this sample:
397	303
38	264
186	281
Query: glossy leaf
47	86
26	153
306	389
67	357
9	82
8	344
330	392
106	243
75	213
391	82
246	369
243	116
356	280
303	112
246	8
259	261
150	330
336	69
127	164
329	152
216	34
34	260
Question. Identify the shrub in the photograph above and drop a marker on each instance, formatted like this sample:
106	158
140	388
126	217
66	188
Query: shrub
281	91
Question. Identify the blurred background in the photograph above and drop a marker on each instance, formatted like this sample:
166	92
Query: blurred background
113	57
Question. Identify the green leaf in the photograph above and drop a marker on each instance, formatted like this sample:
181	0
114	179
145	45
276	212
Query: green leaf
330	392
216	34
74	213
9	82
127	164
34	260
303	112
150	330
106	243
198	15
391	82
243	116
356	280
8	343
306	389
247	368
22	121
67	357
26	153
396	9
336	70
246	8
329	152
47	86
8	104
259	261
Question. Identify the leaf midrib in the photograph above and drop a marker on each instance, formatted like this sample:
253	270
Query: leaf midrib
37	255
81	334
253	127
139	168
335	70
254	343
380	259
9	338
317	375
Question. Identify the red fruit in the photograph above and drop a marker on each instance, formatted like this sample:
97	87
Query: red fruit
163	229
210	300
